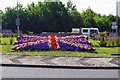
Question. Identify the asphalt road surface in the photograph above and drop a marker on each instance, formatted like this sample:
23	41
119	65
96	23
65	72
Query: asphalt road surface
22	72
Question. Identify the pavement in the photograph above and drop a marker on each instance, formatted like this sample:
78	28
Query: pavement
60	61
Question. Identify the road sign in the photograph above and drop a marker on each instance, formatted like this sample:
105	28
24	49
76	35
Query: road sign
114	27
17	21
114	23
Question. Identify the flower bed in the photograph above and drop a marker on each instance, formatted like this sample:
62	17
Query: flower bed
53	42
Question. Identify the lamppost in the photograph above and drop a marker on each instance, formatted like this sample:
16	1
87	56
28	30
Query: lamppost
118	15
0	24
18	19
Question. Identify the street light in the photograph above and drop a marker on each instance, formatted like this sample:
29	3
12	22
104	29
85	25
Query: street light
0	24
118	15
17	19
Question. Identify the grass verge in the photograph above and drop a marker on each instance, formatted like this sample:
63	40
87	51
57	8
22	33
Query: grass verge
102	52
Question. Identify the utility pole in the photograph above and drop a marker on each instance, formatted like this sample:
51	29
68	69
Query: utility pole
118	6
117	15
0	25
18	20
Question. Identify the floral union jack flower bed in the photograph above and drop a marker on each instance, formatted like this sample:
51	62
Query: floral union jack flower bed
53	42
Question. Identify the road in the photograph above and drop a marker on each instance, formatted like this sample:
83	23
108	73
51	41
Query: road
22	72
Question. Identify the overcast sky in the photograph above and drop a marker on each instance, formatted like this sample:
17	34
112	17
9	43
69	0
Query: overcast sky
99	6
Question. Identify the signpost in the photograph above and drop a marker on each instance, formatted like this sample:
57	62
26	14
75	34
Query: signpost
114	29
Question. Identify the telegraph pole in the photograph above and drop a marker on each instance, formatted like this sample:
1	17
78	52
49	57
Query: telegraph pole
18	20
0	25
117	16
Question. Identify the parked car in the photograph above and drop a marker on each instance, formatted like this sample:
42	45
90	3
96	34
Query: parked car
90	32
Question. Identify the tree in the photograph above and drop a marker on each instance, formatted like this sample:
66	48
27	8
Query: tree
75	17
92	19
112	18
9	19
88	18
103	23
54	17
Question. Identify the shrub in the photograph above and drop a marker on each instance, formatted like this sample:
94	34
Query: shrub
113	41
103	42
109	42
11	41
4	43
5	35
0	42
118	41
102	34
30	33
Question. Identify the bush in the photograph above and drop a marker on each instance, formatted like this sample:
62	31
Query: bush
5	35
30	33
103	42
4	44
11	41
102	34
113	41
0	42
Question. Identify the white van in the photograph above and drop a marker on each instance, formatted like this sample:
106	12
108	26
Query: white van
89	31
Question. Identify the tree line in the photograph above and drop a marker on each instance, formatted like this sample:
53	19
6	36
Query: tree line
54	17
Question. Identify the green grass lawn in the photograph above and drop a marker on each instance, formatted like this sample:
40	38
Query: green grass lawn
95	43
6	41
102	51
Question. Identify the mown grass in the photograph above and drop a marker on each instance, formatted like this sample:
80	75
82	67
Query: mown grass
102	51
95	43
6	41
